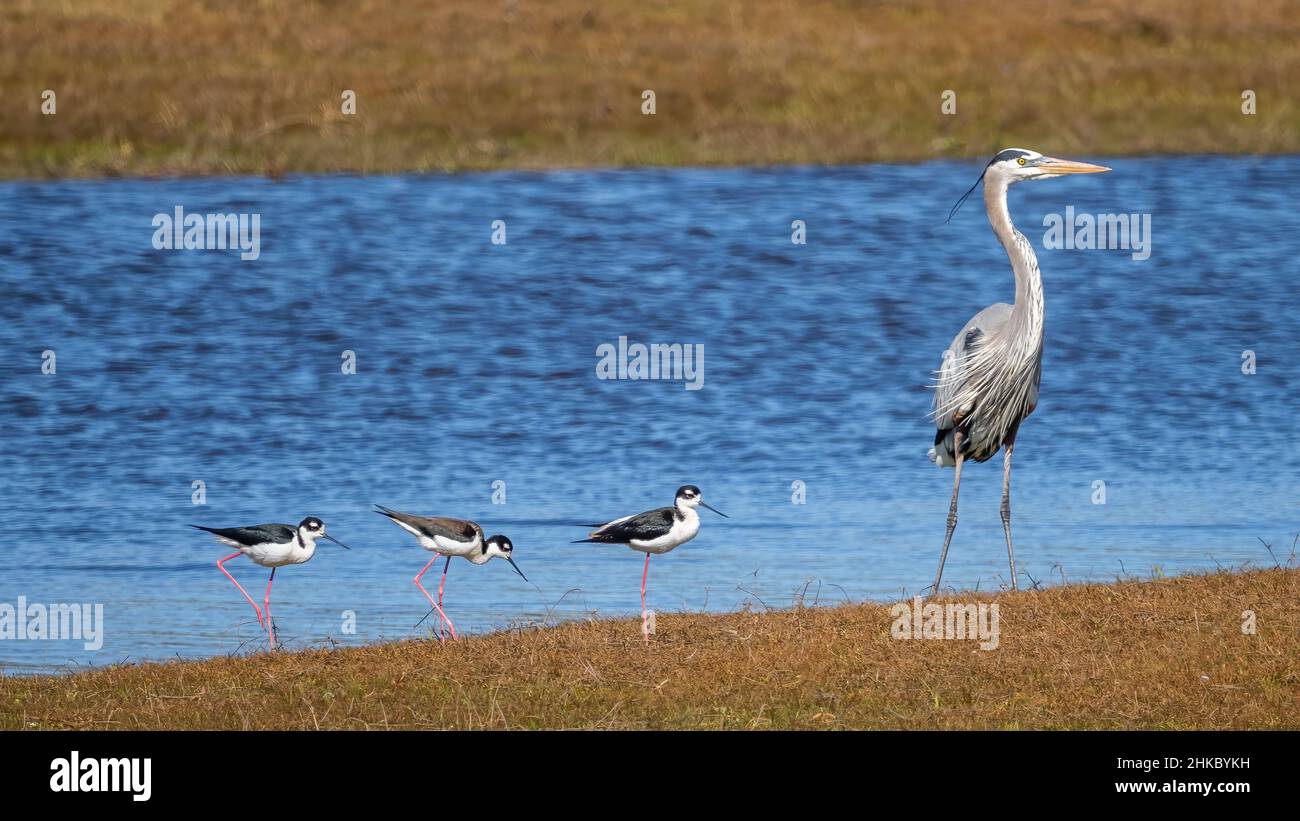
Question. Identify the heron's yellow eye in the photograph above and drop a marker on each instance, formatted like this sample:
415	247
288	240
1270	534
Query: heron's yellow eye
1020	160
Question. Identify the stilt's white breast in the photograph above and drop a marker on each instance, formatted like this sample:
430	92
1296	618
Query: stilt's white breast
277	554
681	532
451	547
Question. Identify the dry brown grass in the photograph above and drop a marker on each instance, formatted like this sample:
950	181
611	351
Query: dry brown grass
1167	653
195	87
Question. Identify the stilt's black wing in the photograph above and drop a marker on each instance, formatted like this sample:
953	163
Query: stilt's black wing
460	530
642	526
253	534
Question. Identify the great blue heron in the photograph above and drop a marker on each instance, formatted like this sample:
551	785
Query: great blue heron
988	382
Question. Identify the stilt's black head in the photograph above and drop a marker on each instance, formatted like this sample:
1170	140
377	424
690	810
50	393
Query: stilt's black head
499	545
502	545
690	496
688	492
313	528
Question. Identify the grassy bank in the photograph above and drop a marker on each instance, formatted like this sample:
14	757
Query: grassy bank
1167	653
189	87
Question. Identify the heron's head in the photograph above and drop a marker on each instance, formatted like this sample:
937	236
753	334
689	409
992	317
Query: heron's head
1011	165
1016	164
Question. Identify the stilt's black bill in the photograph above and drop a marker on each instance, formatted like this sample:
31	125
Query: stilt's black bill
336	541
517	570
715	510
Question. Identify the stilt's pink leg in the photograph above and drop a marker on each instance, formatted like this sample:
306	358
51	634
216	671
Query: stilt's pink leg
443	583
221	565
435	604
266	606
645	623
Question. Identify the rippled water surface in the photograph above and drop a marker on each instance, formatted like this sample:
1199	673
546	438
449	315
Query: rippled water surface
477	363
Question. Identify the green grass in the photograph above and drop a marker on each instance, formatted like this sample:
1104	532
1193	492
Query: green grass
151	87
1165	654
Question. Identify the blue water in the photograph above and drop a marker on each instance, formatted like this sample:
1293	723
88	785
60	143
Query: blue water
477	362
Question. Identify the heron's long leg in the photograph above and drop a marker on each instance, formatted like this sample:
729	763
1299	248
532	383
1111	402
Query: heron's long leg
266	607
221	565
436	606
952	510
1009	444
645	624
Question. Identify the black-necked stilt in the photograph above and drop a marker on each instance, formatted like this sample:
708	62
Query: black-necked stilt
655	531
272	546
451	537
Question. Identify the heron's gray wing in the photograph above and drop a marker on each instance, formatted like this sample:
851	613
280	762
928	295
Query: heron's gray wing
951	378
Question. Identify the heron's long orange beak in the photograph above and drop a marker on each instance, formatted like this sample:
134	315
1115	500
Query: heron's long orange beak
1059	166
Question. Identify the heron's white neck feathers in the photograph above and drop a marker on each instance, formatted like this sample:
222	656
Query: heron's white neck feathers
997	376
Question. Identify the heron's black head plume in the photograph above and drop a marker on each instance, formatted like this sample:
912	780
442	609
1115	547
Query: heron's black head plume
964	197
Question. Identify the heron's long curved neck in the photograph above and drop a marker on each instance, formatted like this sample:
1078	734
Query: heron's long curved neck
1027	312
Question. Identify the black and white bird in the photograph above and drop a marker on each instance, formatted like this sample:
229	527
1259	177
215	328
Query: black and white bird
655	531
451	537
273	545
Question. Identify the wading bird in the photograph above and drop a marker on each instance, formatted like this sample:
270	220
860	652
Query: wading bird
450	537
270	546
988	382
655	531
